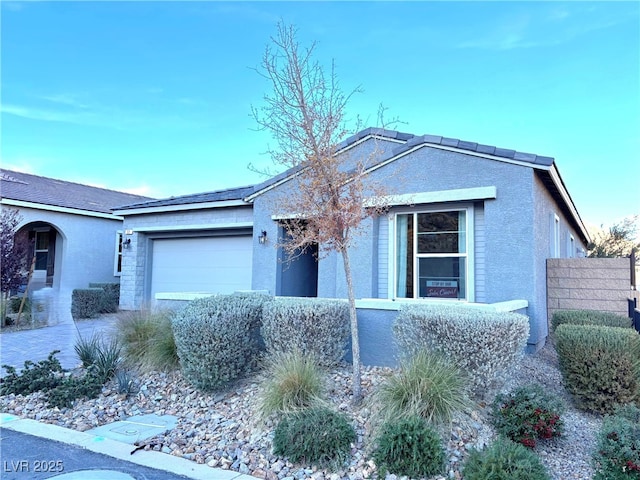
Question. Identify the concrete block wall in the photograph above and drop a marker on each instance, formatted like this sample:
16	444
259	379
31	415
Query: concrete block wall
602	284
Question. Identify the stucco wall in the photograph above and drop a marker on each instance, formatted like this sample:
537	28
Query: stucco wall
602	284
545	209
509	247
85	247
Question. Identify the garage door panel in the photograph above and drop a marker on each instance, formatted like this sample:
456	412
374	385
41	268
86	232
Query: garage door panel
202	264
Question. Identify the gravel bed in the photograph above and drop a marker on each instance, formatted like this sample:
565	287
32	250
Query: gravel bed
222	431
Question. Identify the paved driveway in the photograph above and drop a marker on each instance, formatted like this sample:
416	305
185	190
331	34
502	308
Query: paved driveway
61	334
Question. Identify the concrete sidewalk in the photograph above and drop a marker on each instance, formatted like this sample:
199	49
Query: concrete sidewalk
77	452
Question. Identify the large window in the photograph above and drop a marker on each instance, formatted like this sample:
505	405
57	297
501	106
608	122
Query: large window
432	255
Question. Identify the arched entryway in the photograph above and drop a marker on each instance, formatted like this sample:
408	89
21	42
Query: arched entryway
45	241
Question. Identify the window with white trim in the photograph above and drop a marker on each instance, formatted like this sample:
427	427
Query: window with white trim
117	263
432	258
555	237
571	247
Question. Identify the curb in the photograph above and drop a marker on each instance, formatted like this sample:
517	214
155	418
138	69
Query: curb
119	450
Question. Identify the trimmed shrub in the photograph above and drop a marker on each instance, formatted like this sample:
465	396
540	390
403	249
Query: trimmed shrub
409	447
315	435
504	460
526	414
292	382
111	299
147	339
315	326
618	454
589	317
426	386
87	302
600	365
217	338
482	344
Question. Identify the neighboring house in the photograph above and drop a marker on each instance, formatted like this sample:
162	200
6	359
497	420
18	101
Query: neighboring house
76	237
467	223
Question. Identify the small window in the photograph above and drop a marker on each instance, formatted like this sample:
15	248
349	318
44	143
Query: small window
571	247
117	264
555	237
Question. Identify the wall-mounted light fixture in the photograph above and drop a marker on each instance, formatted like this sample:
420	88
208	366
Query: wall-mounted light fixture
126	243
262	239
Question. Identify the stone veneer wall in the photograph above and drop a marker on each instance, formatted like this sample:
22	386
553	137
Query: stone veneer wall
602	284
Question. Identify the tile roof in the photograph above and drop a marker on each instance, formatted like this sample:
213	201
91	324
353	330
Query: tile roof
60	193
411	141
408	141
238	193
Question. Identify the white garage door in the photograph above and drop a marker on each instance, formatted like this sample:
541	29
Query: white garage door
203	264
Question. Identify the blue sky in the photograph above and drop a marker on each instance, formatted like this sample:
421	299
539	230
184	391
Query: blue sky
155	97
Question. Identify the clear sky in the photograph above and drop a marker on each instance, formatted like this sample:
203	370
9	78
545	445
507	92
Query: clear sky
155	97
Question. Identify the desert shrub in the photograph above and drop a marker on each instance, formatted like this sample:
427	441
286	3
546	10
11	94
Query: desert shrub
292	381
526	414
126	382
44	375
111	299
618	452
600	365
314	435
589	317
504	460
217	338
314	326
147	339
409	447
87	348
72	388
426	386
481	343
107	360
87	302
49	377
15	302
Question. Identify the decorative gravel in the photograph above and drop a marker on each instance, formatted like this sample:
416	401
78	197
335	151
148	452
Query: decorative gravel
222	430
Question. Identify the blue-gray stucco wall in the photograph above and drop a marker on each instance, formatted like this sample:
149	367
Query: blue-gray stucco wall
511	251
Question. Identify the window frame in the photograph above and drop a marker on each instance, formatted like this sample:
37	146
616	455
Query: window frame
469	267
118	257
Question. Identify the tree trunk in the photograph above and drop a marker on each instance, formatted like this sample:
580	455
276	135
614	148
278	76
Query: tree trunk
355	341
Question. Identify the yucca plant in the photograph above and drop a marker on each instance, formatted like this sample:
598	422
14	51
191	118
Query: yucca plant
292	381
87	349
425	386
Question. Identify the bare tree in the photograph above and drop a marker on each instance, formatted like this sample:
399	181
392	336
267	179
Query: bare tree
14	251
305	113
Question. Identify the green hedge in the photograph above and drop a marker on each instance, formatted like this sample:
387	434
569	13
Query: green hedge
316	326
111	296
600	365
218	338
589	317
87	302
